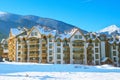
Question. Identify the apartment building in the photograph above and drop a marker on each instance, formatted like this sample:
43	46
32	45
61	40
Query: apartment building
43	45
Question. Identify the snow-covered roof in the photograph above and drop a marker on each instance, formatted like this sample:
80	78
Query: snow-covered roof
114	39
4	41
17	31
91	35
45	30
104	59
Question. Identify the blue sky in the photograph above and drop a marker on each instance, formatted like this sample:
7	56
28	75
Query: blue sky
90	15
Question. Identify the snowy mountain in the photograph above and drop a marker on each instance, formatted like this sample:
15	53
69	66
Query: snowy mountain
2	14
110	30
9	20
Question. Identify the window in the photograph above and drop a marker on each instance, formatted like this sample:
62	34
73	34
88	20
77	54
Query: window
43	45
37	45
50	58
96	56
19	53
96	44
19	47
32	46
80	37
97	62
76	36
37	52
32	52
58	44
31	58
25	52
19	59
58	50
96	50
58	62
114	47
115	59
50	45
43	51
58	56
50	52
25	46
114	53
102	38
34	34
44	57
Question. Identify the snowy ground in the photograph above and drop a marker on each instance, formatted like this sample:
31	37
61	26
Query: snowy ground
30	71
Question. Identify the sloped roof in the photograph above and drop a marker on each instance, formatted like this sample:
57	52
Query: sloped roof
114	39
45	31
105	59
15	31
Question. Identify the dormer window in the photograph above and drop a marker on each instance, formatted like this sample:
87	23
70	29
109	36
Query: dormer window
34	34
76	36
80	37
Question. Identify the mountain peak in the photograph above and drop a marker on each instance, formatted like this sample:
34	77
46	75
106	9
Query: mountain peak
110	29
1	13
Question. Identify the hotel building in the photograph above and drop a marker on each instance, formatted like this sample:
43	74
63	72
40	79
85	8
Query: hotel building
43	45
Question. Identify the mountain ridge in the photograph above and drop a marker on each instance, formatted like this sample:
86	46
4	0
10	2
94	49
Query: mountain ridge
10	20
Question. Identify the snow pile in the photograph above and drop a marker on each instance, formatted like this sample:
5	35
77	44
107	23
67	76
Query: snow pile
60	76
34	71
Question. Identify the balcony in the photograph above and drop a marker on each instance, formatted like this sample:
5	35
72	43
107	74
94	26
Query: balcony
66	51
78	45
44	54
43	61
76	58
44	42
34	61
66	58
65	45
33	49
33	42
58	44
90	51
34	55
44	48
90	45
80	51
24	49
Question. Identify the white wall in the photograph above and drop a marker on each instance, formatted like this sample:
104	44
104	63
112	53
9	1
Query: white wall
102	49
